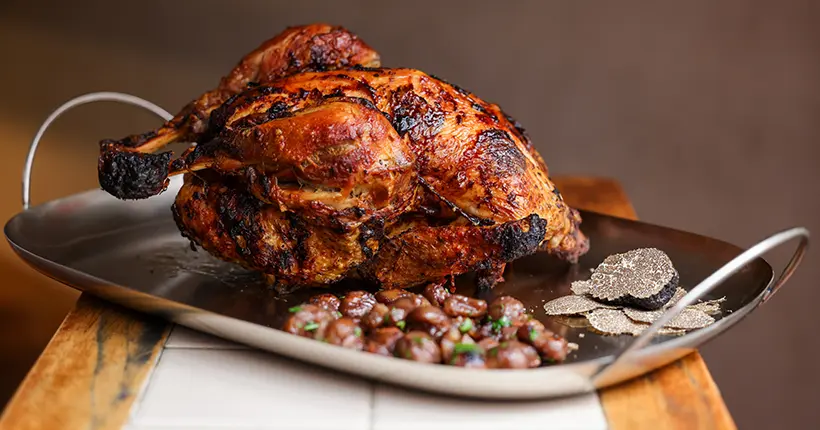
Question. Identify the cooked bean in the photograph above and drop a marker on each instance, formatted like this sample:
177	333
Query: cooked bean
488	343
436	293
375	318
530	331
461	306
344	332
429	319
512	355
382	341
327	301
448	342
389	297
308	321
552	347
356	304
466	326
467	354
508	333
441	327
418	346
398	312
484	331
509	309
497	329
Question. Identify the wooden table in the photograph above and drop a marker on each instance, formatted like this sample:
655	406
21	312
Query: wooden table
93	368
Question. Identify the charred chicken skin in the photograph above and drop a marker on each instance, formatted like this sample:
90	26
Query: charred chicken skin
315	164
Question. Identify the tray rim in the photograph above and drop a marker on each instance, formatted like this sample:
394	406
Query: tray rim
204	320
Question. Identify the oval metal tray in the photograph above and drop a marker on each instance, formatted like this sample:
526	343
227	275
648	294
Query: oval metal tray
131	253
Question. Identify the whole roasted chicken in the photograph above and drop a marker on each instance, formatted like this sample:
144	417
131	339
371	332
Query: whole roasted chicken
312	163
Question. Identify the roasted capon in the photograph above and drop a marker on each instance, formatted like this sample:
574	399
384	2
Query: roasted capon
312	163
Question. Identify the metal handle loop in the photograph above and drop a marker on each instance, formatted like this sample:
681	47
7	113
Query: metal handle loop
713	281
77	101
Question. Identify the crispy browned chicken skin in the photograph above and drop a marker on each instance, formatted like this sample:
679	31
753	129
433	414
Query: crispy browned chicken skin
314	164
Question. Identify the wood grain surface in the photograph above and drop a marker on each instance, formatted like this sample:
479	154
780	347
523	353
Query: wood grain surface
92	370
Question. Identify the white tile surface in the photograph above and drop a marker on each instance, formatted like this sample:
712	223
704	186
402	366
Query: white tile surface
212	388
197	427
183	337
398	409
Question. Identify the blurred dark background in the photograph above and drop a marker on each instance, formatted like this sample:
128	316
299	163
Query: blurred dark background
708	113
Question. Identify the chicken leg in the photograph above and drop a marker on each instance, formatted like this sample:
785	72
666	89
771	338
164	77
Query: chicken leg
129	169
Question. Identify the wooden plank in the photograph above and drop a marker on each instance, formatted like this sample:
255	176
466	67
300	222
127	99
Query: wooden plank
99	359
91	371
681	395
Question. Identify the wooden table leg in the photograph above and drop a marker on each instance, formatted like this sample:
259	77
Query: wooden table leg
90	372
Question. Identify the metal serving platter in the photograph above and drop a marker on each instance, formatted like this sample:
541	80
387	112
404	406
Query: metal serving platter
131	253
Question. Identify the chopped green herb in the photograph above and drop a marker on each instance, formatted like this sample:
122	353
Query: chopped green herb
311	326
338	314
500	323
418	340
295	309
533	335
466	326
462	348
494	352
400	325
357	332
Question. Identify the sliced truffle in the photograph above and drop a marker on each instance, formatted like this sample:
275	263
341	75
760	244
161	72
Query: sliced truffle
615	321
573	305
643	278
679	293
689	318
710	307
581	287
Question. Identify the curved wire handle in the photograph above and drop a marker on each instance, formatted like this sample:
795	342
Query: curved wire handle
713	281
77	101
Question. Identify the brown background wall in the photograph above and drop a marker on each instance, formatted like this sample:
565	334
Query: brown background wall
708	112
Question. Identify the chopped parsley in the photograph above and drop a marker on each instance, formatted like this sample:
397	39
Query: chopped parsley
311	326
466	348
400	325
500	323
295	309
418	340
533	334
357	331
466	326
338	314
